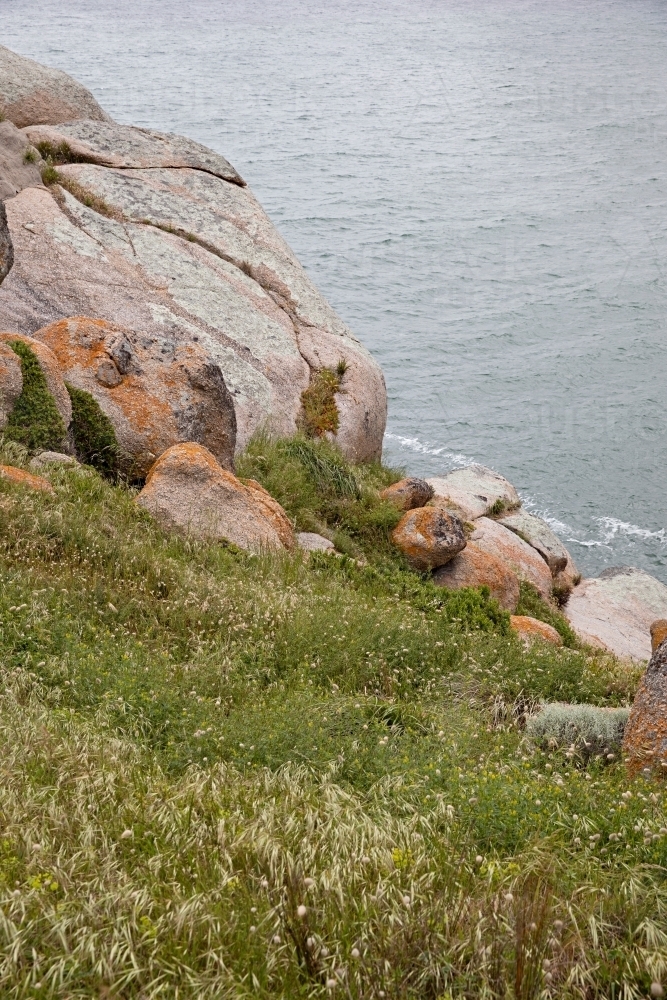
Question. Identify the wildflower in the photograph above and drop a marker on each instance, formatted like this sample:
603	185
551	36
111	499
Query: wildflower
36	847
310	943
509	898
252	928
126	834
355	953
276	938
309	883
331	984
406	900
479	859
656	989
301	911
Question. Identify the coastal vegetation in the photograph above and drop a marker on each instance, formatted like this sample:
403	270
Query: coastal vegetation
287	775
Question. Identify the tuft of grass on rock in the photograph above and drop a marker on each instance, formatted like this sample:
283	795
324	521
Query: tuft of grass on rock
319	412
93	434
35	421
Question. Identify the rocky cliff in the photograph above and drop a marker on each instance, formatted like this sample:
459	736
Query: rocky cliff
156	235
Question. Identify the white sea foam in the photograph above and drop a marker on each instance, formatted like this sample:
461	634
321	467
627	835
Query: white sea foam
612	526
455	459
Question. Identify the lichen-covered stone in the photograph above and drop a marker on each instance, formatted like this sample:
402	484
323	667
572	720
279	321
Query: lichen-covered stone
22	478
408	494
532	628
310	541
645	736
155	392
475	568
429	537
188	490
474	492
537	533
109	144
492	537
31	93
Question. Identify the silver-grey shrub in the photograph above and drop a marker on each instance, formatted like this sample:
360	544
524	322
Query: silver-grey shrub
583	730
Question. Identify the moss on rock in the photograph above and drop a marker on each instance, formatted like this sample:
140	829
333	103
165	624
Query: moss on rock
318	402
94	437
35	421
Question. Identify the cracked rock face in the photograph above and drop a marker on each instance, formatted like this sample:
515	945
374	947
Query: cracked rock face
645	735
189	254
31	93
155	392
18	162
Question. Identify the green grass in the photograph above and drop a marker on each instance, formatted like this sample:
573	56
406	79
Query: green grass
35	421
189	735
319	411
530	603
93	434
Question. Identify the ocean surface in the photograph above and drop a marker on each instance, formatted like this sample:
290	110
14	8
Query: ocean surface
480	189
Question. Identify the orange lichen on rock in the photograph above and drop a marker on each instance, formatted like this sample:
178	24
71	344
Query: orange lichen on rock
645	736
658	633
532	628
189	490
475	568
155	393
407	494
22	478
429	537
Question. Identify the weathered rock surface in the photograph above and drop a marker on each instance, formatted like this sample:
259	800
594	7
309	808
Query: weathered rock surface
645	735
46	458
6	245
188	490
126	146
493	538
532	628
658	632
408	494
22	478
310	541
17	172
11	382
235	288
429	537
48	362
537	533
474	491
476	568
32	93
155	391
615	610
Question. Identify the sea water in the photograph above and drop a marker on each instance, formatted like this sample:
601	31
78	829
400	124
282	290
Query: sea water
480	189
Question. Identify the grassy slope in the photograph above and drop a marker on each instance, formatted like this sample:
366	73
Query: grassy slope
189	733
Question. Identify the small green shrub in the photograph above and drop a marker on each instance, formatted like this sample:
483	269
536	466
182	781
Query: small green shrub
56	154
34	422
319	411
30	156
94	437
530	603
583	730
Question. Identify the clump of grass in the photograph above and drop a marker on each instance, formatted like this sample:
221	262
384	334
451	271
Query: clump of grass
30	155
530	603
93	434
56	154
35	421
322	492
581	730
319	412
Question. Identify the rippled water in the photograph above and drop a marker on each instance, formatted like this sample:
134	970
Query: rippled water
480	188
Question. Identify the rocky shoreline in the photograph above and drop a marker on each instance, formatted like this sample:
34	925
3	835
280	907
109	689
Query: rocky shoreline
146	287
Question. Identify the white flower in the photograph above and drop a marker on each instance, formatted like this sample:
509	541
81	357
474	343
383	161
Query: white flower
331	984
126	834
355	953
276	938
301	911
479	859
309	883
252	928
406	900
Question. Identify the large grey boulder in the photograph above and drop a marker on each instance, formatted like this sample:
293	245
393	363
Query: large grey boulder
31	93
18	162
180	250
537	533
615	610
474	492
